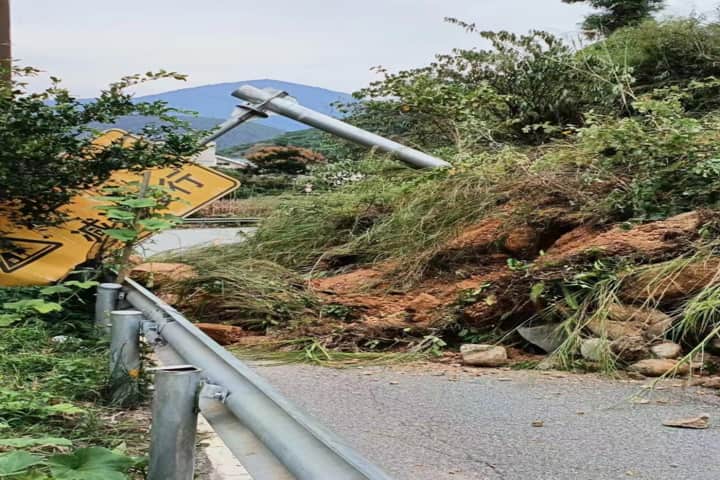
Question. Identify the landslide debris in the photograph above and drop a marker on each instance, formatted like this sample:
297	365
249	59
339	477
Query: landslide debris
488	289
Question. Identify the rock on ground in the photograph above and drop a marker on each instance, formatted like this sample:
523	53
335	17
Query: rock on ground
667	350
483	355
657	367
630	349
630	321
593	349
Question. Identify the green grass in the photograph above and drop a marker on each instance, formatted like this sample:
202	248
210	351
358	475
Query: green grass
57	389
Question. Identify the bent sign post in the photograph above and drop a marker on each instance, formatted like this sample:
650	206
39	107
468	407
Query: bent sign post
45	255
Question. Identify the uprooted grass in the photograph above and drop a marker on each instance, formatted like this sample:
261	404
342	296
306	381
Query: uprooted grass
407	215
255	294
696	315
312	351
584	302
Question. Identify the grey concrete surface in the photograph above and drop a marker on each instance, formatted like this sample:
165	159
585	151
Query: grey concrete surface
440	422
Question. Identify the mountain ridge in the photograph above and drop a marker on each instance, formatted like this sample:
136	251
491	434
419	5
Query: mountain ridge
215	100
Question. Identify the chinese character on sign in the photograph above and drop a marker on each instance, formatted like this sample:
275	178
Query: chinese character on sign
179	183
93	229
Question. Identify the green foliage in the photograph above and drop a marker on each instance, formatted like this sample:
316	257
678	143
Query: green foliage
53	391
27	442
17	407
298	233
671	52
18	462
47	142
655	164
615	14
46	301
136	209
526	88
94	463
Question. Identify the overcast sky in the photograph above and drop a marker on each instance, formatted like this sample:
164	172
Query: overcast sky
327	43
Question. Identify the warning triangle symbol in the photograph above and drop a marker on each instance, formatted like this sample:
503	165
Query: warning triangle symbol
15	253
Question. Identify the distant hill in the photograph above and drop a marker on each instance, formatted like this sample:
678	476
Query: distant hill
215	101
244	134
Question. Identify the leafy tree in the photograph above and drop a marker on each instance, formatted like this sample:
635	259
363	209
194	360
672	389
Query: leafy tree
47	152
286	160
615	14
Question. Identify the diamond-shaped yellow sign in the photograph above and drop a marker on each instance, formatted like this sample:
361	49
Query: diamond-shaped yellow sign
41	256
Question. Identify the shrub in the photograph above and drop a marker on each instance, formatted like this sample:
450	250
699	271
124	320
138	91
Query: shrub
47	142
655	164
527	88
673	52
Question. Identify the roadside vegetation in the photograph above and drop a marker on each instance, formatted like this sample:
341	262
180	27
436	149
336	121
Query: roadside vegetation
61	416
583	196
56	417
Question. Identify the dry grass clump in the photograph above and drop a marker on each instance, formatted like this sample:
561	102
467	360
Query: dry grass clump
246	207
254	294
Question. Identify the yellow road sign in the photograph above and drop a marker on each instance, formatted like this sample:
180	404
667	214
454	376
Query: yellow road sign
41	256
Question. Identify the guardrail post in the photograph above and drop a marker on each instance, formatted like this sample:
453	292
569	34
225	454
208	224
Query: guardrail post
174	423
125	356
105	302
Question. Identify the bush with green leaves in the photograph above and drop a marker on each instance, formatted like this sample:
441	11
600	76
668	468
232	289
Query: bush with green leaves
48	153
526	89
63	306
646	167
136	209
674	52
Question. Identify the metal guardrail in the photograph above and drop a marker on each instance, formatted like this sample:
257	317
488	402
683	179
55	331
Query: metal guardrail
270	437
220	220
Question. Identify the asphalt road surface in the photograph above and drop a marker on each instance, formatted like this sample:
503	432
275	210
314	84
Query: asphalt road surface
442	422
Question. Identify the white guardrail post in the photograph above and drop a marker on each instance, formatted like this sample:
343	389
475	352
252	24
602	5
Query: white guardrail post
269	436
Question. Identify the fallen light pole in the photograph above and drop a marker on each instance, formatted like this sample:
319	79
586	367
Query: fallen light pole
249	113
273	102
